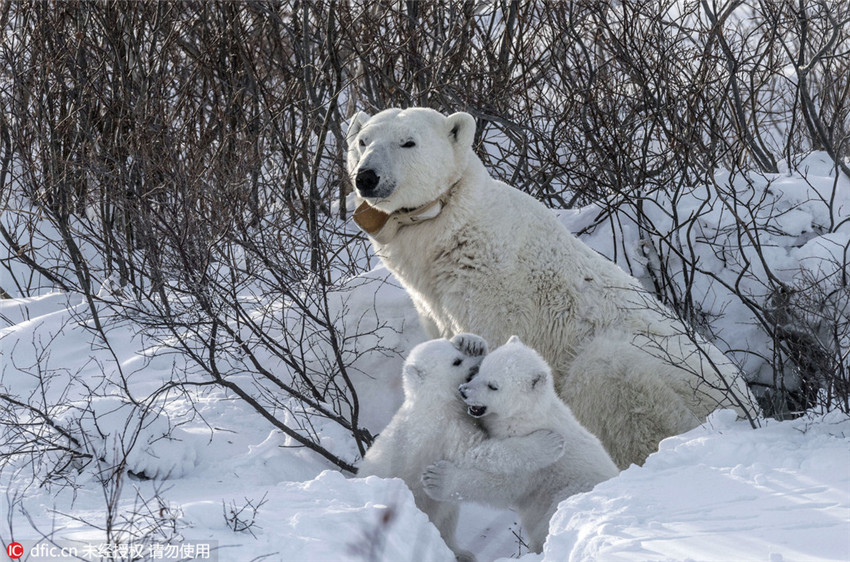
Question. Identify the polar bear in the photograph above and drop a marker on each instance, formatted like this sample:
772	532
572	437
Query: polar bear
432	424
478	256
513	394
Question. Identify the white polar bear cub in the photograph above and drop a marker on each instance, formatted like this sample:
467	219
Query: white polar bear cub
432	424
478	256
513	395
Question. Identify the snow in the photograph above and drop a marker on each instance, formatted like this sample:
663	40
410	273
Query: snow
203	468
333	518
720	492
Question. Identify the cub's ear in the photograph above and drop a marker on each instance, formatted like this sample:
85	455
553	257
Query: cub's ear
538	379
461	127
412	372
355	123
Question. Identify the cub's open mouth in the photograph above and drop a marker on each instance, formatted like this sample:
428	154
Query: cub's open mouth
477	411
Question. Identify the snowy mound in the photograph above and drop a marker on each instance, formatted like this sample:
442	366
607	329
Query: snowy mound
720	492
331	518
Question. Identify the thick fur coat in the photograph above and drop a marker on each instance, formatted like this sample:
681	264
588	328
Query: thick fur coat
513	395
432	424
491	260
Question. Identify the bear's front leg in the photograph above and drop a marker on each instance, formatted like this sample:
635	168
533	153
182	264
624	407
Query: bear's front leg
445	481
429	325
440	482
515	455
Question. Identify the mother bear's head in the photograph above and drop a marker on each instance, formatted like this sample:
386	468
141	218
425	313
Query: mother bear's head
404	159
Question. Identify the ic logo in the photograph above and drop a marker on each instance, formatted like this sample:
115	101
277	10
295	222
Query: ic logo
15	550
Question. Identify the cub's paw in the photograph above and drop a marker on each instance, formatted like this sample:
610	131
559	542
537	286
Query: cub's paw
546	447
470	344
437	481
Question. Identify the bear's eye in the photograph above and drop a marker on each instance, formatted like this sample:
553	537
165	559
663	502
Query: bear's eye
362	142
408	144
492	386
457	362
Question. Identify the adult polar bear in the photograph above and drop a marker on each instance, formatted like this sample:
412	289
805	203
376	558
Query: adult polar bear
478	256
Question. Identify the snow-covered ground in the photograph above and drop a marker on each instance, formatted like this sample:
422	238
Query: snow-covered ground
225	480
721	492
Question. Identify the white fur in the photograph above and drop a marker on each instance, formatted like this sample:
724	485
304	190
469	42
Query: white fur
432	424
514	386
496	262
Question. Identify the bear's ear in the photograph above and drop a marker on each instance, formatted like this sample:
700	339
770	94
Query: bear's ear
355	124
412	372
461	127
538	379
514	339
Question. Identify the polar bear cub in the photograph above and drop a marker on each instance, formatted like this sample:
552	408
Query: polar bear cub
432	424
513	394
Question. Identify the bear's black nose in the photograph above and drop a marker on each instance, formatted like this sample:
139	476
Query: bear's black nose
462	390
367	180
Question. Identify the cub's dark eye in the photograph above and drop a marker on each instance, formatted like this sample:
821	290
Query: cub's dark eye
408	144
362	142
492	386
457	362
